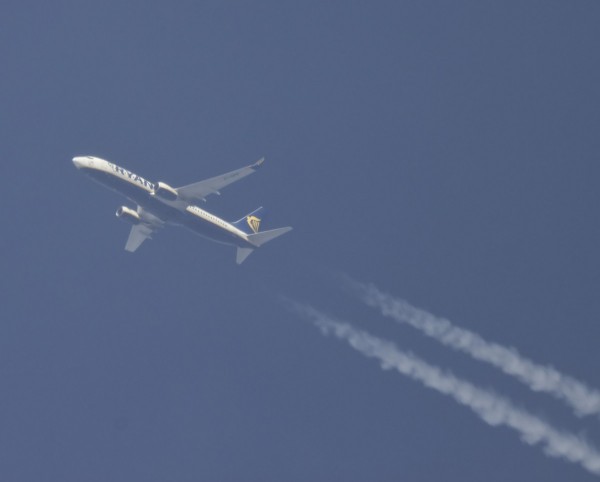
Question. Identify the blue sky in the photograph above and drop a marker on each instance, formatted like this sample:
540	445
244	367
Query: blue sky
447	151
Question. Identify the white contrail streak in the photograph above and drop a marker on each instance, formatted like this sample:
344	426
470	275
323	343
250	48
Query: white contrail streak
491	408
540	378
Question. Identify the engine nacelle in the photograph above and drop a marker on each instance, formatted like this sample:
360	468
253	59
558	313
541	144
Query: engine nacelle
129	215
164	191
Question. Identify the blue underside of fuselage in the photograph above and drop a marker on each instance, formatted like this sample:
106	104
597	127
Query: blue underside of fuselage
166	213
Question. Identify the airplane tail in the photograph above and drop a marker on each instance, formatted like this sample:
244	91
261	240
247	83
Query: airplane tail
258	239
250	223
242	254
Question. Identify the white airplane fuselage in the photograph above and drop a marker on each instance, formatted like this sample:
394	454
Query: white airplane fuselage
157	209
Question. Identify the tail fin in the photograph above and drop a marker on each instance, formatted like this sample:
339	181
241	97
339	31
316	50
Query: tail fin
258	239
250	223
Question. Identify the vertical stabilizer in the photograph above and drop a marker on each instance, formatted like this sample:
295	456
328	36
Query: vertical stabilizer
250	223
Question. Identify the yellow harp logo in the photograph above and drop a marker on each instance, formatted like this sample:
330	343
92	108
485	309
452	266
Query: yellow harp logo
254	223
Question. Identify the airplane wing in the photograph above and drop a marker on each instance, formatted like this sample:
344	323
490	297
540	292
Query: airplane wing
199	190
140	232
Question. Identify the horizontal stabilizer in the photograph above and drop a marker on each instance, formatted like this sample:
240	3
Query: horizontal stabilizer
242	254
259	239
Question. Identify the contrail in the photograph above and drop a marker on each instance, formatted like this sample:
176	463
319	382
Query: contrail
582	399
491	408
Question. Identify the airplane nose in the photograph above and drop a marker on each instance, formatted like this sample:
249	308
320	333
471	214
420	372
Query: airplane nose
79	162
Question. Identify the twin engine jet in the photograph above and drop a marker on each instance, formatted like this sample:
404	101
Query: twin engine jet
159	204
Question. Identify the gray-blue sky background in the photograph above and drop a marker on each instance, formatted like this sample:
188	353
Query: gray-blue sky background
447	151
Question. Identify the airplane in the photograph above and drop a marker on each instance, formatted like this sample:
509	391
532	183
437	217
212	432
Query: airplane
159	204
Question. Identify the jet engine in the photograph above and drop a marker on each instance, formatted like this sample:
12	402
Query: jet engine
129	215
164	191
